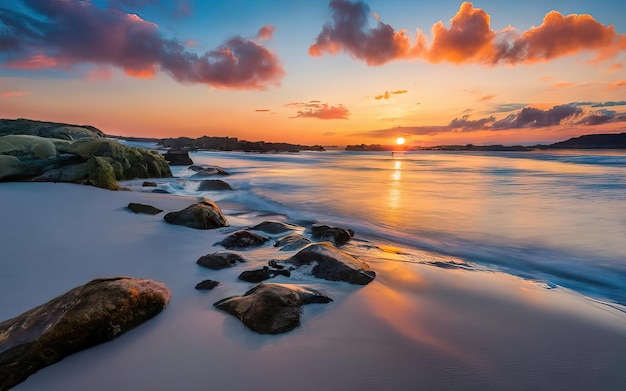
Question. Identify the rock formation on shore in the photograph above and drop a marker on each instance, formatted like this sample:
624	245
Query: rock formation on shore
85	316
202	215
50	152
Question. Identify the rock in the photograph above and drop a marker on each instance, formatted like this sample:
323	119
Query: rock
213	184
48	129
274	227
337	235
27	147
142	208
101	174
178	158
243	239
205	170
127	162
259	275
291	242
149	184
11	167
203	215
69	173
332	264
220	260
271	308
207	285
81	318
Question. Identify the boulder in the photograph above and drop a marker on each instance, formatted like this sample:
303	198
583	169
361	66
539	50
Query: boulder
70	173
27	147
205	170
207	285
203	215
149	184
271	308
220	260
291	242
143	208
337	235
332	264
274	227
263	274
178	158
81	318
11	167
243	239
100	173
127	162
48	129
213	184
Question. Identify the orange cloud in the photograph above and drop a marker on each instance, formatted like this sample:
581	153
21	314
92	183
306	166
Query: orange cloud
12	94
317	109
469	39
616	85
388	94
262	110
486	98
145	73
563	84
266	32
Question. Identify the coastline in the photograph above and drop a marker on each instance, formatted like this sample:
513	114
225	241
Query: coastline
416	324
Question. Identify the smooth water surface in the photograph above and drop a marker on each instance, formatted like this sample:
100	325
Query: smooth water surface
557	217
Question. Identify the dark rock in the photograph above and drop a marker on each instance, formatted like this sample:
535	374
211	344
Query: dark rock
178	158
332	264
213	184
220	260
271	308
243	239
205	170
273	263
274	227
337	235
203	215
259	275
85	316
207	285
149	184
291	242
48	129
142	208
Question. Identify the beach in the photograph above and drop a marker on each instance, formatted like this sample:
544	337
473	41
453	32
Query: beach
416	326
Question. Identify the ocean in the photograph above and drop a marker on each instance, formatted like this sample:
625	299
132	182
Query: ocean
553	217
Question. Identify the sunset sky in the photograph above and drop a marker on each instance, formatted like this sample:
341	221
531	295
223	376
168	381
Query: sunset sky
319	72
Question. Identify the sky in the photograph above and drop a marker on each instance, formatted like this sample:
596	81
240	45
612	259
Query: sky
319	72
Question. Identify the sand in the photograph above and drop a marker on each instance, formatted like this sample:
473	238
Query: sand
416	326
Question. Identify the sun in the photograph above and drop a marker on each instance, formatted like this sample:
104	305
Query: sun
400	140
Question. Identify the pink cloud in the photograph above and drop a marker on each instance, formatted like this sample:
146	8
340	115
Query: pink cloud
388	94
12	94
469	39
317	109
77	32
266	32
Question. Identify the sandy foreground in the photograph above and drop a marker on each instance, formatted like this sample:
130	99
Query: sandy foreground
416	326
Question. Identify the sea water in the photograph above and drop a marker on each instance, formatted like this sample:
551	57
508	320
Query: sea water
558	217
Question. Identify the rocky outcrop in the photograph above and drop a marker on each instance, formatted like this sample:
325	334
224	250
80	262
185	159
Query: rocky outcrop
54	130
220	260
274	227
83	317
271	308
213	184
178	158
291	242
143	208
243	239
337	235
203	215
330	263
89	160
204	170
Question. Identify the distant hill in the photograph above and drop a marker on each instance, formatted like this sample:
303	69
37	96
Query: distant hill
593	141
